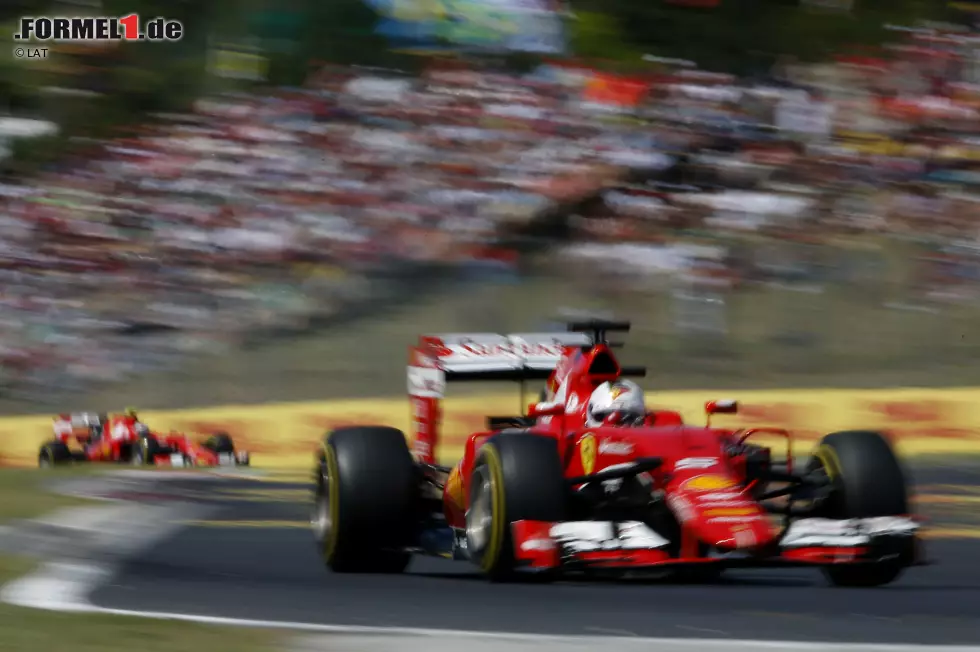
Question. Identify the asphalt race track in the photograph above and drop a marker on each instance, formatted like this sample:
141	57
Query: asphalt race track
254	558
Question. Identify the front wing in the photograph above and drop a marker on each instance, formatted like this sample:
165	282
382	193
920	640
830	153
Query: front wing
631	545
196	458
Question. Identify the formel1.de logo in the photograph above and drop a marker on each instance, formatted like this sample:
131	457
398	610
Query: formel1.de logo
99	28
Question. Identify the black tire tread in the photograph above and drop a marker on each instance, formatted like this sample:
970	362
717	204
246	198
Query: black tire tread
869	481
57	452
378	496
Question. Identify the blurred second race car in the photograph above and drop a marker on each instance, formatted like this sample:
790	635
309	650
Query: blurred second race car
123	438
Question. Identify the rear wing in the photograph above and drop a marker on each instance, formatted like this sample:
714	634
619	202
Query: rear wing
486	356
519	357
483	357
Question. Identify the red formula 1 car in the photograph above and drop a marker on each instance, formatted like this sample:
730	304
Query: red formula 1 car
544	492
123	438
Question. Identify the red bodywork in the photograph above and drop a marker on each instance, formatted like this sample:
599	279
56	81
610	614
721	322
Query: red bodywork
703	476
119	435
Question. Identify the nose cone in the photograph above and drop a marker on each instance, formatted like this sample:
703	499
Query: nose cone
719	513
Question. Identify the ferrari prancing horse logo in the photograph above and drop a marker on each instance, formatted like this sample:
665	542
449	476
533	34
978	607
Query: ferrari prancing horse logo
587	451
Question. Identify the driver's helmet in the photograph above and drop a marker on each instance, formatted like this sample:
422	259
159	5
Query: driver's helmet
131	413
619	403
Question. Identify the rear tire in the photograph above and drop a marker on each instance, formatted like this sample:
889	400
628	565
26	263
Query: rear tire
516	476
868	481
366	501
55	453
220	442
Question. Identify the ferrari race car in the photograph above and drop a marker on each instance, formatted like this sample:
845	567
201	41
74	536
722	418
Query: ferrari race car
123	438
543	493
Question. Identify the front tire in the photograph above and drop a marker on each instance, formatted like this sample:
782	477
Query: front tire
366	497
867	480
144	452
516	476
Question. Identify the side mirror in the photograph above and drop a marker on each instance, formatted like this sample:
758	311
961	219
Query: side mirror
722	406
545	410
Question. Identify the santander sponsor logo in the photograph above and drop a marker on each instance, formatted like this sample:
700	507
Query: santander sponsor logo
442	351
507	349
623	448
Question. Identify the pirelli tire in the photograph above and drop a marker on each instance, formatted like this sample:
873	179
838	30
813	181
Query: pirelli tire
54	453
366	501
867	480
516	476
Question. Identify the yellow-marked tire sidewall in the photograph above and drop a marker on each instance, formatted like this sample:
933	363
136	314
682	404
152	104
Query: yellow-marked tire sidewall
491	555
829	460
333	492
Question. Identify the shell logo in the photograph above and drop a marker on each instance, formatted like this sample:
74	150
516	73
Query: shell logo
709	482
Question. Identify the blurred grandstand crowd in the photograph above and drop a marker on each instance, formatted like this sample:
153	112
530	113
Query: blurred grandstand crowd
269	211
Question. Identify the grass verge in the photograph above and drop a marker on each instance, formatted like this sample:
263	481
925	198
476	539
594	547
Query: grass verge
23	495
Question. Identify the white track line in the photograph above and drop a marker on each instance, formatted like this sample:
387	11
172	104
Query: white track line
66	587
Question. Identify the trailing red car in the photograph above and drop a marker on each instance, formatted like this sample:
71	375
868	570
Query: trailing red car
123	438
547	492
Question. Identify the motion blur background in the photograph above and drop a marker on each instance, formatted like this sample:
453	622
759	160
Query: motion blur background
776	192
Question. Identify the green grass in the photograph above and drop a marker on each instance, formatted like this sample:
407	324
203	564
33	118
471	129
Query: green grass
23	495
23	492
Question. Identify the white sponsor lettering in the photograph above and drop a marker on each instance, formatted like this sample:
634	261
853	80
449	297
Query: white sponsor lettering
177	459
607	447
696	463
723	503
637	536
720	497
681	507
734	519
538	544
490	351
421	448
585	536
845	532
119	431
525	349
424	382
